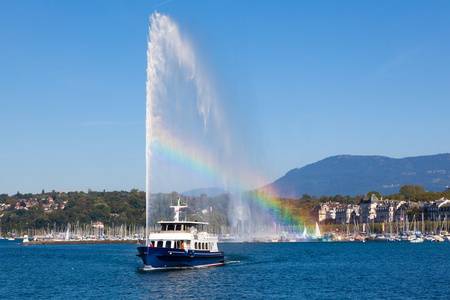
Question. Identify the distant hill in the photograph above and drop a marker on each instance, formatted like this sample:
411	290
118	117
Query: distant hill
353	175
210	192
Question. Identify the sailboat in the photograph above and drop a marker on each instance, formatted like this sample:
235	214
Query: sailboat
305	233
416	240
318	236
303	237
67	236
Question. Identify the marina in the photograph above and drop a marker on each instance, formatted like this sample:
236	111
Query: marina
80	242
75	235
178	234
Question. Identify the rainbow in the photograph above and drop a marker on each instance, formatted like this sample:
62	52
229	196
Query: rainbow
194	159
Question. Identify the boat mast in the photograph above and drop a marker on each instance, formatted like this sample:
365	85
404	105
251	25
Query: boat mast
177	209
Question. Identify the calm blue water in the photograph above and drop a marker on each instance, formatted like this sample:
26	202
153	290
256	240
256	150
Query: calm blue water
372	270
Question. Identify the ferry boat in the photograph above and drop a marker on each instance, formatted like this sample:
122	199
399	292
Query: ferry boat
180	244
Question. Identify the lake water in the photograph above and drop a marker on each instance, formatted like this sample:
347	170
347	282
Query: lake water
372	270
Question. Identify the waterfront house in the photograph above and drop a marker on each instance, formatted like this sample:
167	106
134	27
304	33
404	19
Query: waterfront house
385	212
346	214
325	213
388	211
367	208
438	210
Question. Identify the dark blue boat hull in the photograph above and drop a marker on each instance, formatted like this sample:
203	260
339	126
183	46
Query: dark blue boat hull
155	257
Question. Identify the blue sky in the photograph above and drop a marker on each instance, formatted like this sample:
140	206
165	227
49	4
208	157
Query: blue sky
303	81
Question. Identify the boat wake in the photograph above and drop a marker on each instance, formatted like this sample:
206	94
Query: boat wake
232	262
149	268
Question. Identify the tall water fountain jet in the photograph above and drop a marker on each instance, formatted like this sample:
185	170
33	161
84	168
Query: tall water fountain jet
187	136
175	81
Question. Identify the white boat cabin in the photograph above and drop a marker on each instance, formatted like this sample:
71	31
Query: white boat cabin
186	235
183	235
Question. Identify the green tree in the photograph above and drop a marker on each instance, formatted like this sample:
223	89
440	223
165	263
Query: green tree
324	199
411	191
306	197
41	221
396	197
3	198
338	198
216	220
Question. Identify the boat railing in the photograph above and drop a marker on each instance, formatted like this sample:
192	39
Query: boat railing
163	231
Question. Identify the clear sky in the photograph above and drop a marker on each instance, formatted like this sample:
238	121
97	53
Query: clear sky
304	80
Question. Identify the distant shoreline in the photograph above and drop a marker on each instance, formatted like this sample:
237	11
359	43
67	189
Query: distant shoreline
81	242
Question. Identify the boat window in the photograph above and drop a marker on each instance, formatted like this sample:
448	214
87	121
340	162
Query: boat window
168	244
203	245
195	245
159	244
178	228
170	227
163	227
206	246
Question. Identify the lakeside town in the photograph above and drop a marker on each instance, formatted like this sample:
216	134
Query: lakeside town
355	223
374	210
429	220
118	217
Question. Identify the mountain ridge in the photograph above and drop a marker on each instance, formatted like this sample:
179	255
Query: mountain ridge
358	174
210	192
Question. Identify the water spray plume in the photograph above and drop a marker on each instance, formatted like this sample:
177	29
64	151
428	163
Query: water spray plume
186	126
167	51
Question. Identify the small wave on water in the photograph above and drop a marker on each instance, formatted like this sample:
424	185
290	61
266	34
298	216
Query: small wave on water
232	262
145	269
151	269
148	268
